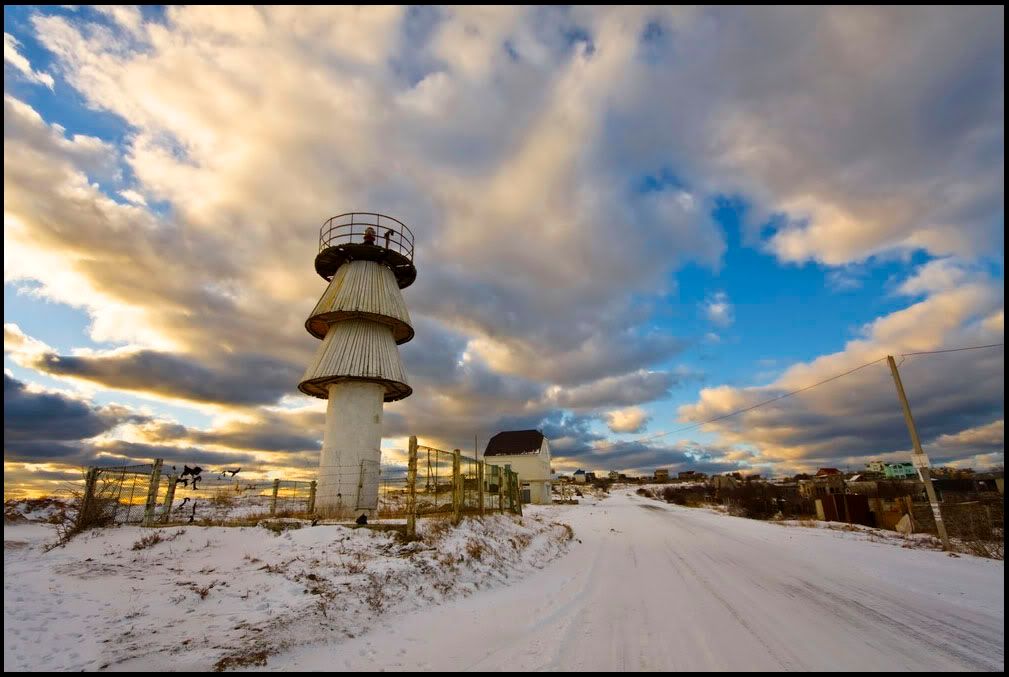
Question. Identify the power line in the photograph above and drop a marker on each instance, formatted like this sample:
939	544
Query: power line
742	411
692	426
951	350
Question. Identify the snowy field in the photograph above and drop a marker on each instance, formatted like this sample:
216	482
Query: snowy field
652	586
643	586
231	597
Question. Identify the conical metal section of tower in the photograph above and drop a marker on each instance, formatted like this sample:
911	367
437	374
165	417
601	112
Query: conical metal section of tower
361	318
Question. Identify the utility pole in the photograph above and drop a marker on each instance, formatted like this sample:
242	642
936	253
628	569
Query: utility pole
920	459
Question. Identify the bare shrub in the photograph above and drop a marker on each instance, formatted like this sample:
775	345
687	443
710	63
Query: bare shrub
223	498
83	513
278	526
603	485
356	564
148	541
977	527
244	660
155	537
474	550
374	594
673	495
435	530
569	533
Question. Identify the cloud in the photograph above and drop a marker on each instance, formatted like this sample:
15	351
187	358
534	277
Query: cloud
985	440
19	343
283	432
133	197
49	436
627	389
820	117
718	309
241	379
541	261
630	420
859	416
13	57
643	458
41	424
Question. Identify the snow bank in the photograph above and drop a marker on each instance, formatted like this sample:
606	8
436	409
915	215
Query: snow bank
34	510
206	597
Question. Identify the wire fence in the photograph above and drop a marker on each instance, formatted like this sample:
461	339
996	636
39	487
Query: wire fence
222	500
146	494
116	495
435	483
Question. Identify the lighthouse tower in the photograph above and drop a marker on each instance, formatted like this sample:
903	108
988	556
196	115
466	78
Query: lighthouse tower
361	319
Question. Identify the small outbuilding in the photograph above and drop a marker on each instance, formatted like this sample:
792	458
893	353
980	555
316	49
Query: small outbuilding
528	454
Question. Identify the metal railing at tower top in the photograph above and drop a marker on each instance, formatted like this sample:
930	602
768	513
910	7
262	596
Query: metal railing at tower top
352	228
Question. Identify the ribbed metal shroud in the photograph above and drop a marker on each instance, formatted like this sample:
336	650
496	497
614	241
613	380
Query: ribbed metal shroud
357	350
362	289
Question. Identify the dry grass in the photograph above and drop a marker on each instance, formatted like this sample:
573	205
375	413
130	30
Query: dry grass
279	526
148	541
976	529
474	550
245	660
356	564
86	515
155	537
223	498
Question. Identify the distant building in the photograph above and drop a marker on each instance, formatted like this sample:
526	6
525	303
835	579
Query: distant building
614	475
662	475
826	481
900	471
528	453
875	466
691	475
725	481
590	477
579	477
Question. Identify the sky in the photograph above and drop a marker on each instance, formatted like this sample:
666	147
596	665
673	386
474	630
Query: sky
628	221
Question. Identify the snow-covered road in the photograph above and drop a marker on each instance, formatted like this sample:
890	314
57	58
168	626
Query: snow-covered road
657	587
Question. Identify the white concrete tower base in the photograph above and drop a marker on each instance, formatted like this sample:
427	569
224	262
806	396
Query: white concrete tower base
351	451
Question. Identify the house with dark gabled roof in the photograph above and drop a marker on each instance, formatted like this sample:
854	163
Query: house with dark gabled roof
528	454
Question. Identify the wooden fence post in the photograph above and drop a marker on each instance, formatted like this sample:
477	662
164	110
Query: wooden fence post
273	501
456	486
479	483
500	488
313	485
411	489
152	493
508	481
518	494
88	501
166	514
